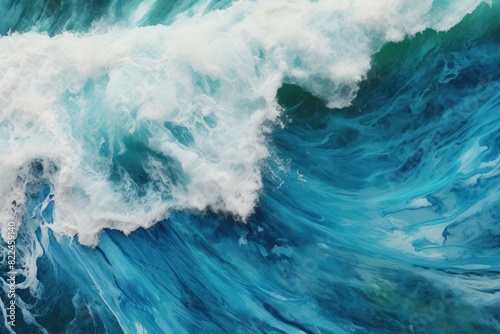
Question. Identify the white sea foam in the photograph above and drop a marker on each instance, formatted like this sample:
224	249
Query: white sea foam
71	101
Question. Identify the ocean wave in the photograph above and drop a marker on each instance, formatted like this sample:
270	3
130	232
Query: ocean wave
141	121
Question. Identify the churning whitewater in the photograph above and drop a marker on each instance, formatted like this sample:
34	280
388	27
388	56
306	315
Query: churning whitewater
251	166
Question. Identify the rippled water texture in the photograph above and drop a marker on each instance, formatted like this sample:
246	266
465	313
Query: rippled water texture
251	167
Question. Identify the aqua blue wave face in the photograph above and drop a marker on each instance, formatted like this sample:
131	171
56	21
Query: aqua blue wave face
378	217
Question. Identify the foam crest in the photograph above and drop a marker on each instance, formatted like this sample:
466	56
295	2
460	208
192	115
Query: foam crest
130	124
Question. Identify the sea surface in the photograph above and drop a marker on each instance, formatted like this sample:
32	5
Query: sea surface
258	166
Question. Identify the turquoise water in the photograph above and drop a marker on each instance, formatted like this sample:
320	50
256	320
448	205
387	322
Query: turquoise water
251	166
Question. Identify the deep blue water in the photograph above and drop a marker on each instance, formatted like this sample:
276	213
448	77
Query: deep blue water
251	167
